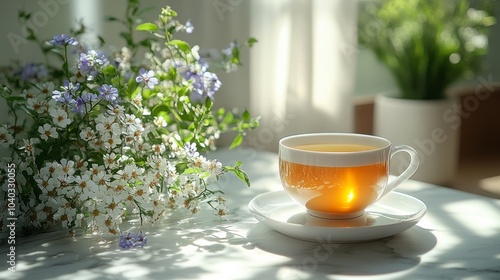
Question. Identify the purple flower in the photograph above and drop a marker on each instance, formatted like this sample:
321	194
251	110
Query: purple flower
148	78
79	107
82	101
193	71
129	240
66	95
212	83
89	97
32	72
108	92
191	149
63	97
204	85
63	40
90	62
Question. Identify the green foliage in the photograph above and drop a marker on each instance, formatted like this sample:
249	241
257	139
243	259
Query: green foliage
426	44
147	27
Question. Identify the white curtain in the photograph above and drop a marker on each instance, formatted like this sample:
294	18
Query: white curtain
303	69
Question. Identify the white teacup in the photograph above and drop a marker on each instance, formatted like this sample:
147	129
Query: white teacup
339	175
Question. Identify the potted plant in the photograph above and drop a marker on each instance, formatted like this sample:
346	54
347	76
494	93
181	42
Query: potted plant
427	46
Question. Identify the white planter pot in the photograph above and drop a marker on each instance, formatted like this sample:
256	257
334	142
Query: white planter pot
429	126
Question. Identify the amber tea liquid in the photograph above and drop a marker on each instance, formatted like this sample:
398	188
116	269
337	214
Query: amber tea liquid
344	189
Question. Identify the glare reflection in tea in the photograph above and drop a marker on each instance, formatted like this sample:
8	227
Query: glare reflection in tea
339	175
334	189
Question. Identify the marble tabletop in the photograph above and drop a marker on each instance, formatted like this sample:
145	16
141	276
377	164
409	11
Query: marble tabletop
458	238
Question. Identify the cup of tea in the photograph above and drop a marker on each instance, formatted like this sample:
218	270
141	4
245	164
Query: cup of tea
339	175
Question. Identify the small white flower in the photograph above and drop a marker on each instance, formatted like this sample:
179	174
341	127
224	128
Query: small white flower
6	138
141	195
27	94
137	100
220	209
110	140
43	180
66	215
85	186
78	220
113	208
46	88
52	184
29	146
63	186
80	163
47	131
213	166
96	169
159	149
118	188
115	110
101	178
97	217
38	104
110	161
67	167
59	117
160	121
87	134
107	124
198	161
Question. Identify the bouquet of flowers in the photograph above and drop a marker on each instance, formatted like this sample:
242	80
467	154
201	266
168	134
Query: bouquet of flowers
104	134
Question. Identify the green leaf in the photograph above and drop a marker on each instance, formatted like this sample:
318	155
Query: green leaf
147	93
172	74
228	118
160	110
181	167
147	26
237	141
116	81
109	70
110	18
221	111
24	15
251	41
183	93
16	98
236	56
5	89
238	172
183	46
133	89
165	115
208	103
102	42
246	116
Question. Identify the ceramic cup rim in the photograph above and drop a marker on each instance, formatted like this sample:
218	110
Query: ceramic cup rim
318	158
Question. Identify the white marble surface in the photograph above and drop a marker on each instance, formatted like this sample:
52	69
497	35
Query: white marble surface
458	238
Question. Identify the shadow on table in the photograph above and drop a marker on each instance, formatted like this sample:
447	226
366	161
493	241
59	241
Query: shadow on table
393	254
52	256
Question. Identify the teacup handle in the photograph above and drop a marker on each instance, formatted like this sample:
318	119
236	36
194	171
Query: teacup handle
407	173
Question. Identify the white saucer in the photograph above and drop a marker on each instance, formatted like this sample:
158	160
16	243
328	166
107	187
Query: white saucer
393	214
